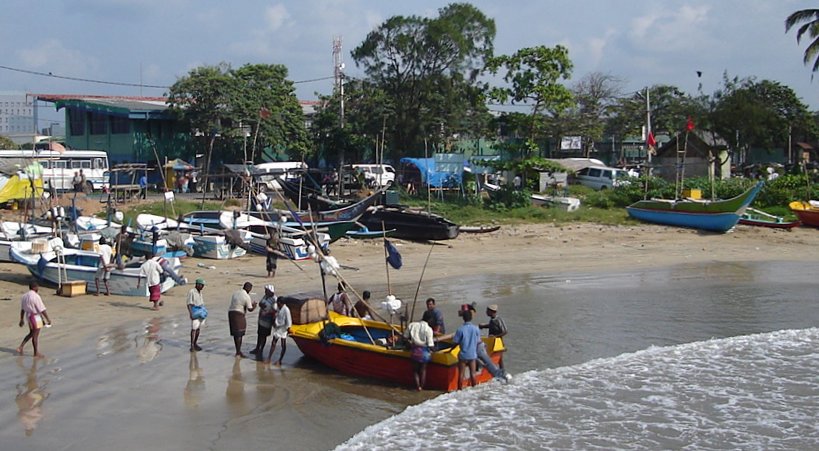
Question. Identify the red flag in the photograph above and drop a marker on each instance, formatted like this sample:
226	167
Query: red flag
651	142
689	124
264	113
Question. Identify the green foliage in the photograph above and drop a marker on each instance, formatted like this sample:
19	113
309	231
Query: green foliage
508	198
809	20
7	144
533	75
428	70
669	108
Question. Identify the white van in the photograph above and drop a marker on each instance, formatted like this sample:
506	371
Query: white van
599	177
377	175
266	173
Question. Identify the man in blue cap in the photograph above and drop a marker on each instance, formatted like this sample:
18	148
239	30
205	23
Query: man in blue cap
197	312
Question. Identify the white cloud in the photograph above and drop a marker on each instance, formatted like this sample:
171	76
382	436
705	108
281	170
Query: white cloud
597	46
276	16
51	54
671	29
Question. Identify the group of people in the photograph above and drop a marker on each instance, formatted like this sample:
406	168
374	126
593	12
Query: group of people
274	319
423	335
187	181
79	182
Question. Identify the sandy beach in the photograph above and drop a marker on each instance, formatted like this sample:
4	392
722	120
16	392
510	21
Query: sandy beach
513	249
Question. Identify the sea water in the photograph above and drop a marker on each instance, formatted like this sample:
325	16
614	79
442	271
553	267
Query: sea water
706	356
715	356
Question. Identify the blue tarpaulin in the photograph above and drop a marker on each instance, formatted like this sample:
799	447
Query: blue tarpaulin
436	174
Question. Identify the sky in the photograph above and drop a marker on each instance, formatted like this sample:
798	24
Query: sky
154	42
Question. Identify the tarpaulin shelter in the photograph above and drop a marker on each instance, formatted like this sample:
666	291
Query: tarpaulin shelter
439	171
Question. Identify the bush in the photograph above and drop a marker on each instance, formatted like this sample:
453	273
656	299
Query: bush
508	197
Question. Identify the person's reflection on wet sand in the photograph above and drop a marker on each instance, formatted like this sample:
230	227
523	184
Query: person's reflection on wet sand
150	346
196	383
30	398
235	392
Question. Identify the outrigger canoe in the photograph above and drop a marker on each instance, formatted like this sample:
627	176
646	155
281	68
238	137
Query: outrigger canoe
352	352
758	218
714	216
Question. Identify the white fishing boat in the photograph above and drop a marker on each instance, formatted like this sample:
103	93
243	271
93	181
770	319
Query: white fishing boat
19	235
219	247
82	265
28	250
564	203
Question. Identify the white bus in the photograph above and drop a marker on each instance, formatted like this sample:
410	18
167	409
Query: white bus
59	168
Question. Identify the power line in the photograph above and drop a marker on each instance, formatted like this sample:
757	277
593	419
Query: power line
86	80
118	83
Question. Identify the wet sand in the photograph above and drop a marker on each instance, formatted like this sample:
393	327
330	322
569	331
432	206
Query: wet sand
122	376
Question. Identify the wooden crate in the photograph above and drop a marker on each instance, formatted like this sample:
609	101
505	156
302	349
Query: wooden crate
73	288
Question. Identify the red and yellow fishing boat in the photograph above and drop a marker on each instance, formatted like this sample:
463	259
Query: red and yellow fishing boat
806	212
362	348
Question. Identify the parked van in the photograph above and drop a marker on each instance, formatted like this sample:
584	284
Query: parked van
597	177
377	175
266	173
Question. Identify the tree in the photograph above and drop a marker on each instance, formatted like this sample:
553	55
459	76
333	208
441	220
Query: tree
809	20
7	143
596	95
670	107
533	76
759	113
266	100
203	99
427	69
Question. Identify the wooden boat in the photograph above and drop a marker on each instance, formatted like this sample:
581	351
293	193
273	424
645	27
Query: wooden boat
758	218
715	216
82	265
410	224
562	202
365	234
807	212
479	229
354	354
218	247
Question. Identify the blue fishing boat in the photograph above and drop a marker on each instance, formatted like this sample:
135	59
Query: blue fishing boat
713	216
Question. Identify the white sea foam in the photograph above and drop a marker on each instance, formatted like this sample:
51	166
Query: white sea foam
749	392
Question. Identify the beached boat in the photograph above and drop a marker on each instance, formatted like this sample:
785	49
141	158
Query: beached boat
807	212
353	353
410	224
479	229
365	234
758	218
82	265
21	236
714	216
219	247
564	203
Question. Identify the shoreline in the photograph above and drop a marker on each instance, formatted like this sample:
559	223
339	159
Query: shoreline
528	248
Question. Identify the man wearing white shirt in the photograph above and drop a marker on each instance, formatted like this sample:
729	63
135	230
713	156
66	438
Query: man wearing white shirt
104	270
151	271
240	303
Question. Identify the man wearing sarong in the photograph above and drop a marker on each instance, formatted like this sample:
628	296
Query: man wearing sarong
240	304
33	311
152	272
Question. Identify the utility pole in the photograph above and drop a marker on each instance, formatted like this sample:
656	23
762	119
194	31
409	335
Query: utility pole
338	75
648	127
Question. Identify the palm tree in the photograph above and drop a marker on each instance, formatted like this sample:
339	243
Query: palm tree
809	18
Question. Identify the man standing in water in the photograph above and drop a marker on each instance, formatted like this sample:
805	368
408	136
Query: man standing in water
467	336
240	304
33	310
195	299
281	326
496	326
434	318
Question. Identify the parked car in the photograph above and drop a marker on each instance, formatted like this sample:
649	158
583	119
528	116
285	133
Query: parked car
599	178
377	175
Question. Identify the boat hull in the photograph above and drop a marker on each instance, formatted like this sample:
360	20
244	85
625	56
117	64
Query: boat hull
807	214
215	247
410	225
123	281
561	202
378	362
714	216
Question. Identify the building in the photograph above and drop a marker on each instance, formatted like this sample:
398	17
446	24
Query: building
17	116
701	149
130	129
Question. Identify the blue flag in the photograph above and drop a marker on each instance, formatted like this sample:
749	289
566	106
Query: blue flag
393	257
